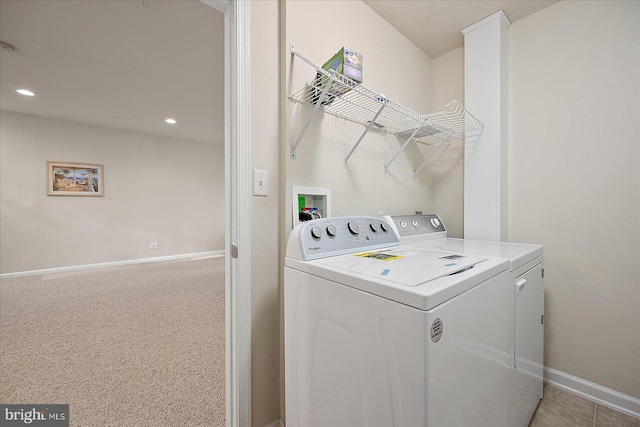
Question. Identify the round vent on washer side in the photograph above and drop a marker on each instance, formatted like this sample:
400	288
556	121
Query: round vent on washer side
436	330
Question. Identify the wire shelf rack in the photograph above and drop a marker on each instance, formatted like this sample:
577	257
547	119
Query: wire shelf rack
347	99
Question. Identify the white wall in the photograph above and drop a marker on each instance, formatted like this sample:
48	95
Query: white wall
157	189
574	182
318	29
447	169
266	98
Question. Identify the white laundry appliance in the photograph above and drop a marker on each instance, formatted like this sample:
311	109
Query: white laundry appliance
379	334
526	267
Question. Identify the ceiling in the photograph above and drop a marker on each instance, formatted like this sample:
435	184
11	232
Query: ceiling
123	64
434	25
131	64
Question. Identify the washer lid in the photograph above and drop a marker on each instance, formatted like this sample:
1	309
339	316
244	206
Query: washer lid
421	279
403	266
517	253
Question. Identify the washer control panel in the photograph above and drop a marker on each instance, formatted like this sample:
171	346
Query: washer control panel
416	225
326	237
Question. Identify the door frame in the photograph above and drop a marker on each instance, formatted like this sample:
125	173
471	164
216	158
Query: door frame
237	151
238	214
238	218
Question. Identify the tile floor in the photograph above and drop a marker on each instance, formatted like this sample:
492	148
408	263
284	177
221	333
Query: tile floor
560	408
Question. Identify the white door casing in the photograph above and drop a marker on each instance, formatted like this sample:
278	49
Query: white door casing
237	210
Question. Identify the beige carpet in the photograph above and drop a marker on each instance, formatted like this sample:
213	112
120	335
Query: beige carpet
139	345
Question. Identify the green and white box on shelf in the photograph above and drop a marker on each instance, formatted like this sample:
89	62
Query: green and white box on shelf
347	63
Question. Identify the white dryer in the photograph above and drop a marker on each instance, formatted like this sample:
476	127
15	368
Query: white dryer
526	266
378	334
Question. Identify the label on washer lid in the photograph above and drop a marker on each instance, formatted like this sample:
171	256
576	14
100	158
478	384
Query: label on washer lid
379	256
387	254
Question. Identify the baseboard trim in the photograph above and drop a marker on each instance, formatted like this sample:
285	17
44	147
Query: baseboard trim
276	423
113	264
595	392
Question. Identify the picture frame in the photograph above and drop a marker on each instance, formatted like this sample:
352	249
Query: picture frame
75	179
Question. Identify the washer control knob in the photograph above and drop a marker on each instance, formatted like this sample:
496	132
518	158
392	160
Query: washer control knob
353	227
373	227
316	232
331	230
403	224
384	227
414	223
435	222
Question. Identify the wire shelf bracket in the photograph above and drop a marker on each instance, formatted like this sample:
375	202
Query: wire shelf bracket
443	143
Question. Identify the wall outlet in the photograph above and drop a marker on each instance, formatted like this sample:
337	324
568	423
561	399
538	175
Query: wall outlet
153	245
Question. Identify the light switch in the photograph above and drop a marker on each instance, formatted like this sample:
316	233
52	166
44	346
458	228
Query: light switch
260	182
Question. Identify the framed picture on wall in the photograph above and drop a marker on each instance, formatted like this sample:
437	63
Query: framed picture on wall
74	179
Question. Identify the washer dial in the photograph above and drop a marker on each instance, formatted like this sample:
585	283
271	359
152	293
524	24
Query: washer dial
353	227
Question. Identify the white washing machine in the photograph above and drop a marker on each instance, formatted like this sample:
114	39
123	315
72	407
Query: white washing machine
379	334
526	266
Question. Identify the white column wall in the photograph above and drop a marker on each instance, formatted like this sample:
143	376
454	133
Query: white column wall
485	87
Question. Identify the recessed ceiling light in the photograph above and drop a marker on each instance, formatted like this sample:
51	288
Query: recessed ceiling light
25	92
171	121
